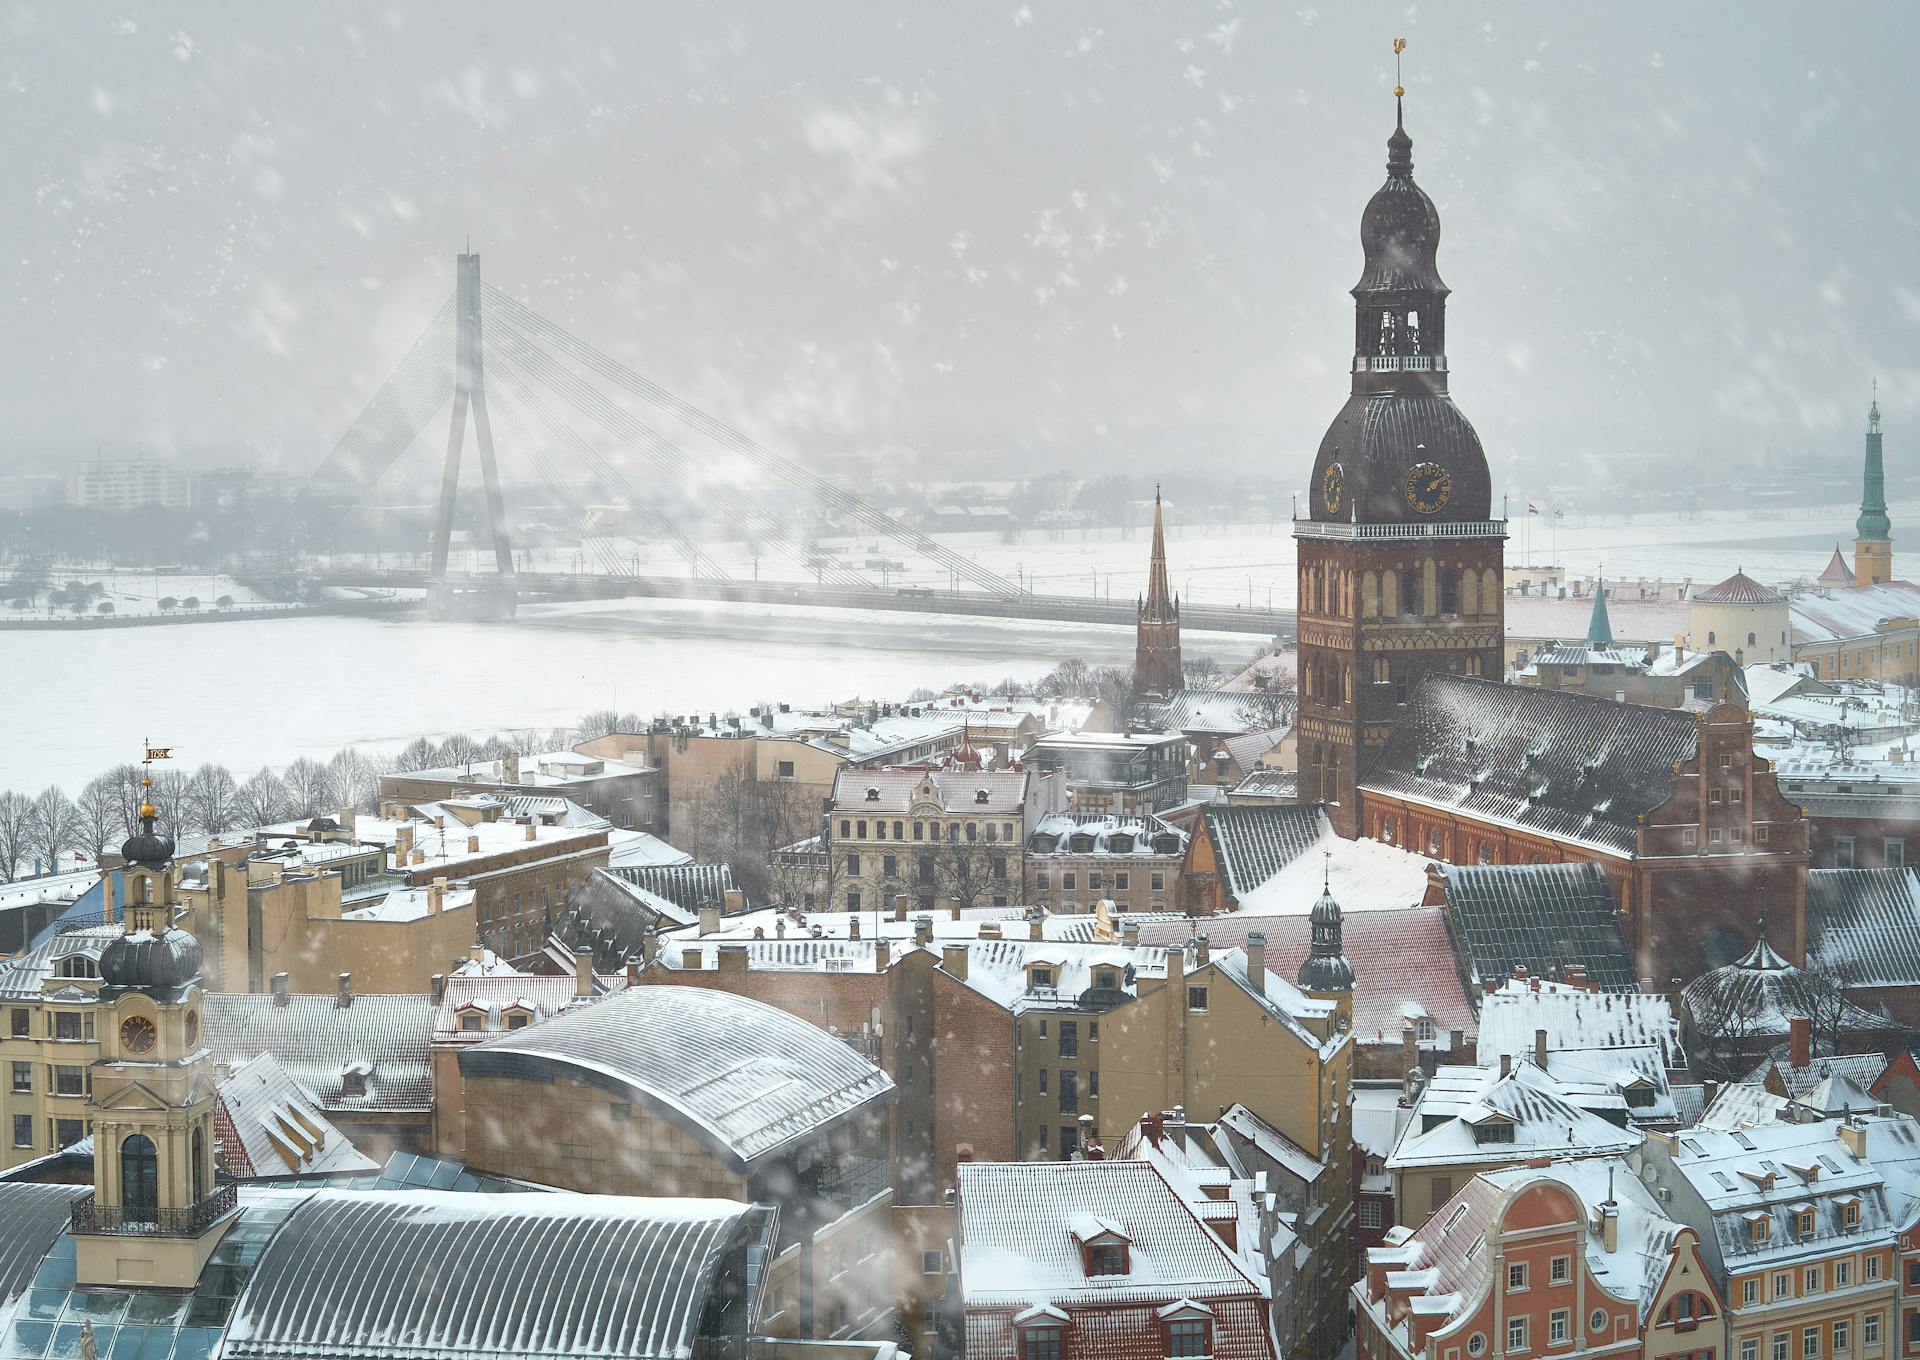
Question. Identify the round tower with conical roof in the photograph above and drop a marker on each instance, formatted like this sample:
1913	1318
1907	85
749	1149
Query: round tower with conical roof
1873	531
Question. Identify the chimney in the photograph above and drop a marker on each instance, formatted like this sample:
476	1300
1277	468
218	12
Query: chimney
1800	1041
437	988
402	842
1257	963
953	908
1090	1145
1853	1136
1610	1221
533	834
436	896
990	931
1409	1048
279	989
733	959
692	959
1201	954
882	956
1130	933
735	899
417	857
1506	1064
899	906
476	952
1540	1049
1152	1127
473	843
953	957
709	919
1177	1126
343	991
922	931
347	817
510	768
853	925
583	972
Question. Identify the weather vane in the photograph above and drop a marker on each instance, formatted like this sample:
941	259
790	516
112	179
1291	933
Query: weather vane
146	775
1399	46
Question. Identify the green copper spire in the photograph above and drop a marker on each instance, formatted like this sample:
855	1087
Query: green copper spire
1599	629
1873	524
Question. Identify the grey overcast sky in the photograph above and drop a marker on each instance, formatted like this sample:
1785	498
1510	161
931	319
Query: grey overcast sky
997	237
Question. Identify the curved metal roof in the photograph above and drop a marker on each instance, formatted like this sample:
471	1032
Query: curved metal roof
741	1076
34	1215
1378	438
425	1274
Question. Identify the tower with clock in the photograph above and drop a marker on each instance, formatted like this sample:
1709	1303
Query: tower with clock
1400	558
156	1211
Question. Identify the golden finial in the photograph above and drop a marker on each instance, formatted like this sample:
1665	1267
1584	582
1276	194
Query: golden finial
147	809
1399	46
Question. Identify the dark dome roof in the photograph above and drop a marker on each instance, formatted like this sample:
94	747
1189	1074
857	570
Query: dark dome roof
144	847
1400	230
147	962
1739	588
1325	969
1378	438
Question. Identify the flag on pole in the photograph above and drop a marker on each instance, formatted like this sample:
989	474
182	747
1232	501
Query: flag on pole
1558	513
1532	509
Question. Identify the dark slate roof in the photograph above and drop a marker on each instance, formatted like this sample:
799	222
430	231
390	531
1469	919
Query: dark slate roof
1540	916
1378	438
1864	924
688	886
33	1215
420	1274
1214	711
316	1040
1565	765
1255	843
613	917
1739	588
742	1077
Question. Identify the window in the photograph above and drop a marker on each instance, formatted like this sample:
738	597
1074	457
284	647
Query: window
1750	1291
1093	1026
1476	1343
1870	1330
1913	1274
69	1081
1894	851
1093	1082
930	1261
1196	998
1069	1091
853	866
1067	880
1913	1327
1810	1343
470	1021
1107	1258
1190	1336
1069	1038
1750	1349
67	1132
1810	1282
1803	1224
19	1022
1040	1343
1713	796
1558	1268
1516	1275
23	1130
23	1076
1873	1262
518	1020
1780	1343
1843	852
853	899
1516	1334
783	769
1557	1326
1370	1216
1159	881
1842	1274
1043	1081
1043	880
1782	1285
1842	1336
1120	882
1687	837
890	866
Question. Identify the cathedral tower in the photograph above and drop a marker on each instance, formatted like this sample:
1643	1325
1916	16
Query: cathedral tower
156	1212
1156	653
1400	558
1873	531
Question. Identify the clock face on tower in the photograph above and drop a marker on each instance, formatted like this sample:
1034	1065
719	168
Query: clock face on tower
1428	487
137	1034
1333	488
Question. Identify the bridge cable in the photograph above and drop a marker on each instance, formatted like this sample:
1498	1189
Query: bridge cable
412	394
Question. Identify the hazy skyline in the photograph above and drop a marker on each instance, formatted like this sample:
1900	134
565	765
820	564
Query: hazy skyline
1109	237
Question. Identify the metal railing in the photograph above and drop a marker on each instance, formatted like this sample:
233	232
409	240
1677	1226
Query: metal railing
1479	528
90	1217
1400	363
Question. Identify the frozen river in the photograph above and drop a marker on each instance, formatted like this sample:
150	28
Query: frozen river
247	694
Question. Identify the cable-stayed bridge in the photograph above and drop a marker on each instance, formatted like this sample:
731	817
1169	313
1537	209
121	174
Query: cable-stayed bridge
569	411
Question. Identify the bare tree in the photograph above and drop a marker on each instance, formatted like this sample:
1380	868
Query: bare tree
210	794
743	819
125	782
1202	672
169	795
356	778
601	722
460	749
1265	708
309	787
262	800
101	819
1113	686
974	872
16	831
54	827
418	754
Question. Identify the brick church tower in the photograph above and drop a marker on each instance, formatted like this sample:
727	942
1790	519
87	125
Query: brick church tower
1400	558
1156	650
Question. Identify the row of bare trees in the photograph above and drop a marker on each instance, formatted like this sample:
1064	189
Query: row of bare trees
39	831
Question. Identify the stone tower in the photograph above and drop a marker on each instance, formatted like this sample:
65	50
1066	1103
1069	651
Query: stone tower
1400	559
1156	653
156	1212
1873	531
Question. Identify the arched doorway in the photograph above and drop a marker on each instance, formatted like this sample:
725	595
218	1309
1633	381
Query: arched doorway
139	1179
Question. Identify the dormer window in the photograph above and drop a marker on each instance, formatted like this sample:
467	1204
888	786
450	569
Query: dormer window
1107	1258
518	1017
1187	1329
979	795
1040	977
1495	1131
1850	1213
873	795
353	1080
78	966
1759	1228
1803	1220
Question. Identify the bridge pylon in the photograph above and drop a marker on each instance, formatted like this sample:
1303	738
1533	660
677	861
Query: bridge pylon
470	596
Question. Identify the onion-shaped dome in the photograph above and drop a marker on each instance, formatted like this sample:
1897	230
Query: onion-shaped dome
1400	229
142	960
1325	969
1759	995
144	847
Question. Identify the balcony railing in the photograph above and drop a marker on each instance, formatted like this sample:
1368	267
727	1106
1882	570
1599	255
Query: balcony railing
1476	528
89	1217
1400	363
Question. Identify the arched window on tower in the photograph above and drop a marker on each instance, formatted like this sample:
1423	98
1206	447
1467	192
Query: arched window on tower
1413	333
139	1179
1449	592
1382	673
1409	594
1387	333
